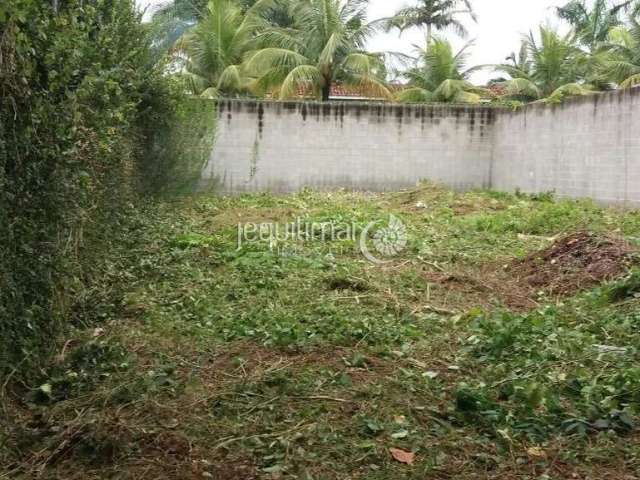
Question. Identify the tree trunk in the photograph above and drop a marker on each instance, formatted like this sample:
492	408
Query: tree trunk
429	35
326	91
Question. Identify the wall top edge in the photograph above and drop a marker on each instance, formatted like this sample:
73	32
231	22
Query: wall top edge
238	103
619	95
354	104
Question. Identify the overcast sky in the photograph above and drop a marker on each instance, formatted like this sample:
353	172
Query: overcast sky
501	24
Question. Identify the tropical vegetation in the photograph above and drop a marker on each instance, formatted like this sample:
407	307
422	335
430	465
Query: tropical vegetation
440	75
286	49
546	68
592	25
624	65
599	53
213	50
433	15
326	44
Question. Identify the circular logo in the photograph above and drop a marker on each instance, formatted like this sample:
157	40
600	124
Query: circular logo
387	241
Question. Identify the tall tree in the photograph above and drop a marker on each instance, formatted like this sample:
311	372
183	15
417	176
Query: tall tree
592	25
433	15
325	44
440	75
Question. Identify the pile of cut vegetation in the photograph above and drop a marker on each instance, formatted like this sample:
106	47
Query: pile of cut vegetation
575	262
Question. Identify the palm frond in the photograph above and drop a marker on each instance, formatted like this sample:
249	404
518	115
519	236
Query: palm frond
632	81
522	87
303	77
467	97
414	95
328	53
449	90
231	79
268	58
210	93
569	90
268	81
367	72
620	70
365	64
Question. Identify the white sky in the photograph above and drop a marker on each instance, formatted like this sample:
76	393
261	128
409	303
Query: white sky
501	24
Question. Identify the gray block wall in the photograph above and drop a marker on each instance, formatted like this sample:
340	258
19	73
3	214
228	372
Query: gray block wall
283	147
586	147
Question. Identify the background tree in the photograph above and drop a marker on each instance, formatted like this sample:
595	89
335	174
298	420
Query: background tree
325	44
549	68
432	15
214	49
624	43
592	25
278	13
172	19
521	86
440	76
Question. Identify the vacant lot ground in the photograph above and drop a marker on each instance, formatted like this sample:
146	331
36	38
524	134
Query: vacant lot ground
501	343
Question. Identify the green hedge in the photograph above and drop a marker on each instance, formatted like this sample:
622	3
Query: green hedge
178	140
78	89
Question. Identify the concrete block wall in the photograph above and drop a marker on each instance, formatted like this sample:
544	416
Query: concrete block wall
283	147
585	147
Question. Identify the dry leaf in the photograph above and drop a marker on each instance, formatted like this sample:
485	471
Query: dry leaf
536	452
400	419
402	456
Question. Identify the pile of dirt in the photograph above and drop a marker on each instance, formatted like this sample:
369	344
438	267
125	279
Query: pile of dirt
573	263
576	262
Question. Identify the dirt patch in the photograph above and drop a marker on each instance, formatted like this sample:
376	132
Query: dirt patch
233	216
573	263
486	289
419	198
477	205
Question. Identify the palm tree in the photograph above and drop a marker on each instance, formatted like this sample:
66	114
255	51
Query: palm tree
213	50
521	87
432	14
624	67
325	44
173	18
440	76
277	13
550	69
592	26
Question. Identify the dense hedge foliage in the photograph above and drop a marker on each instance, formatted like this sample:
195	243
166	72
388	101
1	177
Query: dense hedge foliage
76	85
178	139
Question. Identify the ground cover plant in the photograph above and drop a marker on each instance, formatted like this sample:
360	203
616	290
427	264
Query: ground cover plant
502	342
